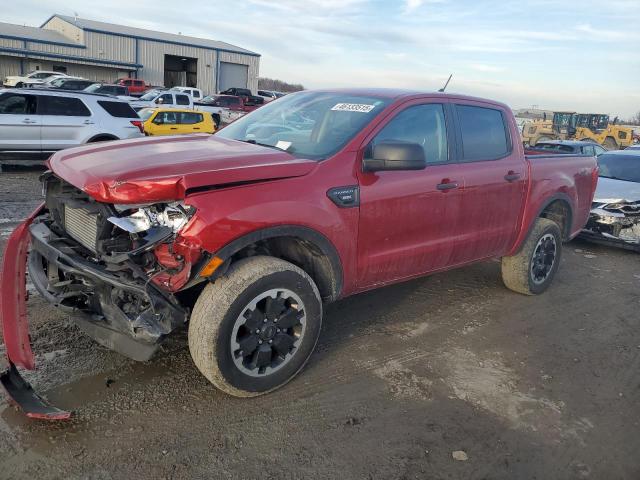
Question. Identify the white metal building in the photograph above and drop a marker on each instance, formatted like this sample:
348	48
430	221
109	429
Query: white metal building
104	52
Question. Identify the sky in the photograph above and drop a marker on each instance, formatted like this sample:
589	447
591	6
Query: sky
557	55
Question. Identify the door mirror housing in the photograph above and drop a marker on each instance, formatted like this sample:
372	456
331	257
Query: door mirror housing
388	156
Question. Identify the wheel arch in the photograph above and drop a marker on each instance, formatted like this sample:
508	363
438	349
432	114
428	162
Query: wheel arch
559	208
303	246
102	137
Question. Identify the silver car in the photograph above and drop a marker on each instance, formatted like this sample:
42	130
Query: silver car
615	212
34	123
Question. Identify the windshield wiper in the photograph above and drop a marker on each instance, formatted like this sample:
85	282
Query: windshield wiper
253	142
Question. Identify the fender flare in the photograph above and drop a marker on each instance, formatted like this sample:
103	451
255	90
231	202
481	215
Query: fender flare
553	198
304	233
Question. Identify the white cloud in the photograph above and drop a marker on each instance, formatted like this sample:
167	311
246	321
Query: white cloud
411	5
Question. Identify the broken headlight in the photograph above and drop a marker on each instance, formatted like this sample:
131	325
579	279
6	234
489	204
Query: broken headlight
141	218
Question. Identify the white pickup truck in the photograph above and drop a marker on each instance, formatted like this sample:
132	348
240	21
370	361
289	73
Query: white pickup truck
221	112
163	98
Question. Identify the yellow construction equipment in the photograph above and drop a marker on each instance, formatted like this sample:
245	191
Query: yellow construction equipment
595	127
591	127
543	130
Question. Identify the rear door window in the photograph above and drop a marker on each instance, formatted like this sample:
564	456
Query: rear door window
17	104
190	118
421	124
182	100
484	133
118	109
62	106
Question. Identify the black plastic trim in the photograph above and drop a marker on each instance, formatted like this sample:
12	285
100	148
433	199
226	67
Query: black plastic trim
304	233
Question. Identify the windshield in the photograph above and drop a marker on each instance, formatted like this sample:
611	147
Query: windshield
311	125
57	82
93	88
620	167
145	113
149	95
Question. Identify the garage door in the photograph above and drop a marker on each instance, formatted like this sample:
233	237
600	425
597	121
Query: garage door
233	75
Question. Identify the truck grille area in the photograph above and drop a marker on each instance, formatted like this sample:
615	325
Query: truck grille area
82	226
78	217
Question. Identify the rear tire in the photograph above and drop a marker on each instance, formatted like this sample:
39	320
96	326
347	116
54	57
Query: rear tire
532	269
255	328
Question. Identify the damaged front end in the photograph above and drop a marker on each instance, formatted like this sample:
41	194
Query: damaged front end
118	268
614	223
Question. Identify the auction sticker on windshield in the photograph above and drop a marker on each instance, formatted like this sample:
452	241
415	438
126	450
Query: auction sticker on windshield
353	107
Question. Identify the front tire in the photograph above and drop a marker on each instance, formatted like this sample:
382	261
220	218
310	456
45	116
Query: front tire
255	328
531	270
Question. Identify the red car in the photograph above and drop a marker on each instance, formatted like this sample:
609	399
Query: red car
246	235
136	87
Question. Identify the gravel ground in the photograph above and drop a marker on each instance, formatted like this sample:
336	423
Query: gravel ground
450	376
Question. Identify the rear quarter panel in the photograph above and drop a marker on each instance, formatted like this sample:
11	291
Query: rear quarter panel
569	178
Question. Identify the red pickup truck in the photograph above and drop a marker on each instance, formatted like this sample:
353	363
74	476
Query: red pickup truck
246	234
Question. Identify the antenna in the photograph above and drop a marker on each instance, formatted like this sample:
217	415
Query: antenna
445	85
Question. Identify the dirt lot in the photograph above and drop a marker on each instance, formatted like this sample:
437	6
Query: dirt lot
545	387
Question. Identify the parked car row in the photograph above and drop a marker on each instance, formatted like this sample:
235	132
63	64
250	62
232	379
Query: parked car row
34	123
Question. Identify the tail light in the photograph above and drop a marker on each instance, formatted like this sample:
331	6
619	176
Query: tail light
138	123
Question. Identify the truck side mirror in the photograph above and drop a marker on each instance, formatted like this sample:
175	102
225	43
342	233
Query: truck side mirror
391	155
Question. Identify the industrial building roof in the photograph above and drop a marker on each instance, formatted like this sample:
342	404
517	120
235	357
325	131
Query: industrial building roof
142	33
19	32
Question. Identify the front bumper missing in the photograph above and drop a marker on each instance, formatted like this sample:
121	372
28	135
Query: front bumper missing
614	228
136	337
15	327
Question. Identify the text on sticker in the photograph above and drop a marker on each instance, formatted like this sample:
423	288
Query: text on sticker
353	107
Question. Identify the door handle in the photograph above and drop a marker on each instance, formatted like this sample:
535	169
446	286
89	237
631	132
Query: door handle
512	176
88	122
446	185
196	128
173	128
28	121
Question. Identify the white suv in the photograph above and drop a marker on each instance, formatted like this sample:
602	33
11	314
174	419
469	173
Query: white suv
34	78
34	123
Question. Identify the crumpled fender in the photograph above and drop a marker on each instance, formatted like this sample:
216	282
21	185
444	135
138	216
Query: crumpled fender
13	296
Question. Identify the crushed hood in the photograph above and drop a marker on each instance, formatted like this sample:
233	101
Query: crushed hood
610	190
163	169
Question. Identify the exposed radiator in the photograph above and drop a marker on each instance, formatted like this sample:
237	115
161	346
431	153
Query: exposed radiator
81	226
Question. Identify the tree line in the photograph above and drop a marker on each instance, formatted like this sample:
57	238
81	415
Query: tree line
278	85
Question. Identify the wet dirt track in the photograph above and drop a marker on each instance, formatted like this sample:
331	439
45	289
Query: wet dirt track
529	387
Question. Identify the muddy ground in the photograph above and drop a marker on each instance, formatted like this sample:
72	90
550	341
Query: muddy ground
528	387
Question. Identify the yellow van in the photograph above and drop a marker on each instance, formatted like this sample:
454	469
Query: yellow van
172	121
